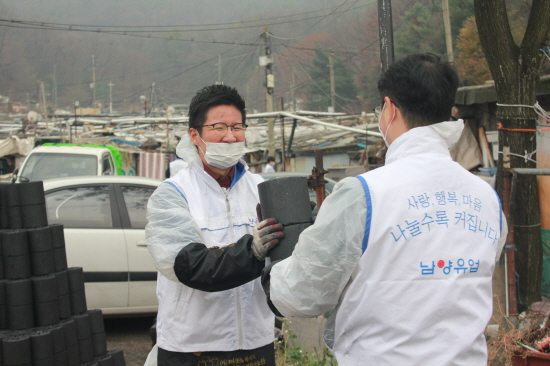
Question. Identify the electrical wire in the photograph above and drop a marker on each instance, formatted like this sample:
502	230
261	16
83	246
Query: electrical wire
526	157
129	34
55	26
536	107
256	42
178	25
172	77
128	31
319	87
314	24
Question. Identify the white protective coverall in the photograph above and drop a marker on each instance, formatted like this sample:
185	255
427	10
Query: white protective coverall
192	208
407	252
176	166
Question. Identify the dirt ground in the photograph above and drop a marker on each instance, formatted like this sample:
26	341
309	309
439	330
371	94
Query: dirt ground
132	336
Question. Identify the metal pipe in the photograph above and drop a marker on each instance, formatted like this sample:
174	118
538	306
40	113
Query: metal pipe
289	149
278	113
313	113
320	172
282	118
331	125
509	248
531	171
150	119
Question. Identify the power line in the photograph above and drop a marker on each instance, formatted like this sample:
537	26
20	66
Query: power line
234	72
323	18
176	75
121	33
129	31
262	21
129	28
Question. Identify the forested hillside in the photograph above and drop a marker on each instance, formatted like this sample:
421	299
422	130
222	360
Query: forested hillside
181	46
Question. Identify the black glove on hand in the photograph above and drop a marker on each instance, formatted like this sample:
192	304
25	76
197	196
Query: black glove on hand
266	236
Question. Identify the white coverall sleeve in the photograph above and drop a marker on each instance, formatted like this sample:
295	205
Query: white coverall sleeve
309	282
170	228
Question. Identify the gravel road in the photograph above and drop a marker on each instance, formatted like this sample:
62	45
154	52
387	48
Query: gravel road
132	336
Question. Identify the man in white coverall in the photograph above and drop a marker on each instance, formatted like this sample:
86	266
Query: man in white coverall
204	237
405	252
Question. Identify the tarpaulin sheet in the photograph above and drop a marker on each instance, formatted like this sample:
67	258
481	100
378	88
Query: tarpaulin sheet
14	145
152	165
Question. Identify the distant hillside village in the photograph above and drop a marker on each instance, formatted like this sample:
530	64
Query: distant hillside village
350	144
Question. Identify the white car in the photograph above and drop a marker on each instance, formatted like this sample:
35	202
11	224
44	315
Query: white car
57	161
104	225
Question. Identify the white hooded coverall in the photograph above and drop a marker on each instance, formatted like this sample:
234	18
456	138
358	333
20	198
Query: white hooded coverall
407	252
192	208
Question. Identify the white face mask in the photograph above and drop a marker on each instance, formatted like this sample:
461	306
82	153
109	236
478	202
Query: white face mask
223	155
384	135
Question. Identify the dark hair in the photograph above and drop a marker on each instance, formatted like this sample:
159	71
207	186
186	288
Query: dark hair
270	158
423	87
213	96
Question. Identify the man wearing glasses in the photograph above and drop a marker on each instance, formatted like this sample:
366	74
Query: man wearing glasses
204	237
404	253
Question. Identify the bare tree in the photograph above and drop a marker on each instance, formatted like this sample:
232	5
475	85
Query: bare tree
516	72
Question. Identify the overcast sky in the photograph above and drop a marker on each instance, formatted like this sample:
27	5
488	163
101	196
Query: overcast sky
158	12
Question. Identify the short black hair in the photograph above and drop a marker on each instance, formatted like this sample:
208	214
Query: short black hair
213	96
423	87
270	158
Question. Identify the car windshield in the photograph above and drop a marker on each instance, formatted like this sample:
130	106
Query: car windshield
41	166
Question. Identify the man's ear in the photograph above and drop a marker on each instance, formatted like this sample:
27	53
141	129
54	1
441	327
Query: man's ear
194	136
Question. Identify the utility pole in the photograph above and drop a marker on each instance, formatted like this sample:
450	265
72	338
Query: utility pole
76	105
151	99
293	91
332	90
385	31
143	99
448	37
93	80
219	82
111	96
282	119
44	102
54	101
267	61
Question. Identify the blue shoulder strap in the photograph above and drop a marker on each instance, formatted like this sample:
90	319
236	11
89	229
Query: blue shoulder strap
369	213
176	188
500	206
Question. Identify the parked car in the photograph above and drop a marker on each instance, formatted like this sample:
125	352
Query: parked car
104	221
329	186
66	160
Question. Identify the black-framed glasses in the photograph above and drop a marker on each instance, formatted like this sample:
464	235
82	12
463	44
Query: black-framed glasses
221	128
